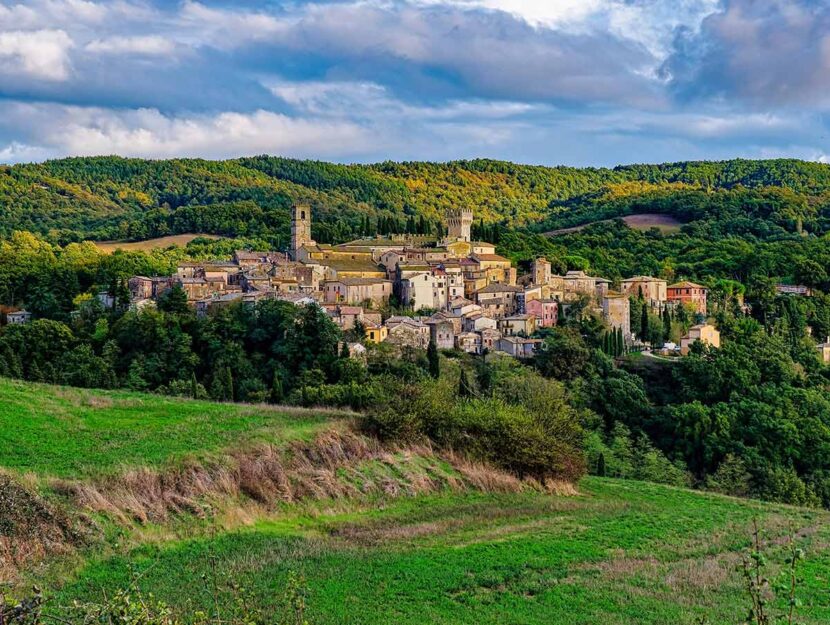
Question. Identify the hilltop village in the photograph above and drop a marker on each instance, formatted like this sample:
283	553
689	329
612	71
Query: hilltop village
455	292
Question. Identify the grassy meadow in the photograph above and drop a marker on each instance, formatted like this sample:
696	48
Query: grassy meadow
75	433
400	536
619	552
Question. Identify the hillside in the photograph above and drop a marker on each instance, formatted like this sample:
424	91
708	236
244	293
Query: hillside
115	198
373	534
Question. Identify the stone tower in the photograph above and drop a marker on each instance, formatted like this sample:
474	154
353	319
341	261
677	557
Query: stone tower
459	224
300	228
541	271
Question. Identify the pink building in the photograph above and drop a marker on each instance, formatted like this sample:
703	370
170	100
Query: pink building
546	311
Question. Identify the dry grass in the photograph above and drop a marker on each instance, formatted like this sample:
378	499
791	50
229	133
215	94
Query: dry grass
180	240
30	528
336	465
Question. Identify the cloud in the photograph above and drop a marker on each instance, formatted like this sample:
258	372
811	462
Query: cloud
489	55
544	13
371	101
40	54
770	53
145	45
149	133
566	81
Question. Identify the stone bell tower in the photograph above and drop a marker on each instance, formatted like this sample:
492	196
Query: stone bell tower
300	228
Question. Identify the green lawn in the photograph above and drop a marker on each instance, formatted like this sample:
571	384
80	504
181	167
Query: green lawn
621	552
65	432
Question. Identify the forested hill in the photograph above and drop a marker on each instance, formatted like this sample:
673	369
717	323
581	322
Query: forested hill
117	198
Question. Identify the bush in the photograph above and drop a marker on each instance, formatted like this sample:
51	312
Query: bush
528	428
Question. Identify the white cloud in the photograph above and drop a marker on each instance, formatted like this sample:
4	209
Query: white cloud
41	54
88	131
371	101
52	13
146	45
547	13
225	28
16	152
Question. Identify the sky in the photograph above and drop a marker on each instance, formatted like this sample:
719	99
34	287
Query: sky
572	82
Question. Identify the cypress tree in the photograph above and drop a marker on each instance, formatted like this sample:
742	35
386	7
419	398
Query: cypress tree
227	382
433	359
194	386
277	393
464	388
666	324
601	465
644	324
620	342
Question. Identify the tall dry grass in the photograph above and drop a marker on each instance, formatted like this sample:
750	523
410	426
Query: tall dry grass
335	465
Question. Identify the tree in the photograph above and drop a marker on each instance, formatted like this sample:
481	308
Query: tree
563	355
277	392
666	324
433	360
174	301
644	324
465	389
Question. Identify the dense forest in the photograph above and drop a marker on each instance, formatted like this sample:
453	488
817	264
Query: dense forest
116	198
752	418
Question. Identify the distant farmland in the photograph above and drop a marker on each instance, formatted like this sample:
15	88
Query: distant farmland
179	240
642	221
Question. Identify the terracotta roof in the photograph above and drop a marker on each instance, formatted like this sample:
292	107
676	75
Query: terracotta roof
643	279
495	287
686	285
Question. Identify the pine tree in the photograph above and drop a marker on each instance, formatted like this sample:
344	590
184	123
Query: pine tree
434	360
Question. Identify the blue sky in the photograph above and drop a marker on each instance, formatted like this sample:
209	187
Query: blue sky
576	82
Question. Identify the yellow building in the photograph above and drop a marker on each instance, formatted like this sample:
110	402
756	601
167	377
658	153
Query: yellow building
704	333
376	334
824	351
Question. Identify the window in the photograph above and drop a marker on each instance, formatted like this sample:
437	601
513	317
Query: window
302	215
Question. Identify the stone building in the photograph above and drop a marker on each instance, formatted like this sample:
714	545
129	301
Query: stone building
652	289
300	229
616	310
459	225
688	294
703	333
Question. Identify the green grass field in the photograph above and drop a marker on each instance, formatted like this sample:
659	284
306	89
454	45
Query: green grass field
75	433
618	552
